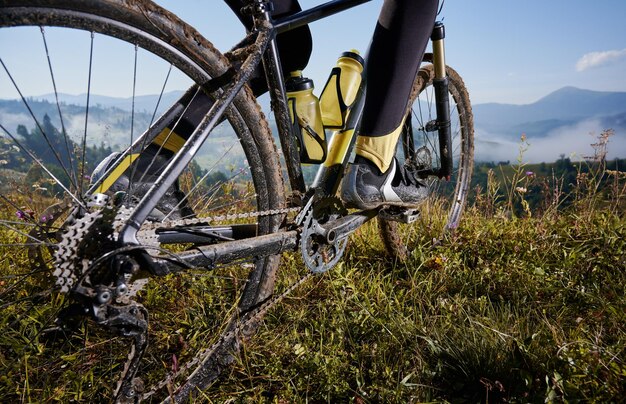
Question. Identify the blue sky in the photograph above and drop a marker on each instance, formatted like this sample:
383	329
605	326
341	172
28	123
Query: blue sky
507	51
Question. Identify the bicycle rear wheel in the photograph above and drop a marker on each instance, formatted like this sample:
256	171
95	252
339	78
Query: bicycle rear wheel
50	142
419	146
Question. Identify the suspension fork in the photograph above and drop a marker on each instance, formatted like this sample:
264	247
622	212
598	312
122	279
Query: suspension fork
442	101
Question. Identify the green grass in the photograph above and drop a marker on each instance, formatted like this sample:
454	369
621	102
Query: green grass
517	309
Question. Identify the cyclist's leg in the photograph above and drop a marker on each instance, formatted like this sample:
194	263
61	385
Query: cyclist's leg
294	47
399	41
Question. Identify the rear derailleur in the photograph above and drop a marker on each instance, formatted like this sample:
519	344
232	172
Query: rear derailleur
98	275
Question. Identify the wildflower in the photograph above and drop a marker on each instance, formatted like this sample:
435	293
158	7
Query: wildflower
521	190
618	174
530	174
24	214
523	137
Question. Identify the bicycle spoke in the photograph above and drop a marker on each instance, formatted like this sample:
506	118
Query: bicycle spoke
144	143
199	183
2	221
44	134
132	116
167	138
156	107
22	277
25	299
56	97
24	234
84	141
213	191
18	210
36	160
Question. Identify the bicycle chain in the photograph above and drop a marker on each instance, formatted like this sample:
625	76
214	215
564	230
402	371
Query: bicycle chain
69	267
147	232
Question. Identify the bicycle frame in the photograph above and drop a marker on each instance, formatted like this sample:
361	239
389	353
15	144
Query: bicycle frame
260	46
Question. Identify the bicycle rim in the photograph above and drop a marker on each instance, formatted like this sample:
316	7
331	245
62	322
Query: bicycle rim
50	144
447	197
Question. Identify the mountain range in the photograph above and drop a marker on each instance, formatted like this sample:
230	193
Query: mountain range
554	125
565	122
564	107
142	103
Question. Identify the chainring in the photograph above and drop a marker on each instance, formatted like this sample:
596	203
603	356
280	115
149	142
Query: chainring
318	254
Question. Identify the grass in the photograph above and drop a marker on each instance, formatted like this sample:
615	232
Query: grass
506	310
527	307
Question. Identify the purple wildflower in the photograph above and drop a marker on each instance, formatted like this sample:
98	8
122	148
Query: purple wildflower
24	214
530	174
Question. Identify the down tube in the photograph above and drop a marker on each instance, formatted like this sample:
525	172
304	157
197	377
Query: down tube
341	143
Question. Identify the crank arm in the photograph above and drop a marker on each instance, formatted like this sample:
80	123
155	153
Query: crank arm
346	225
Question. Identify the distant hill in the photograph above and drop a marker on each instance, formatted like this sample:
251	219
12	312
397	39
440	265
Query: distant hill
107	124
143	103
555	124
567	106
558	124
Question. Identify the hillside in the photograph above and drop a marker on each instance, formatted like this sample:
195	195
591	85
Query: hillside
556	124
564	107
142	103
109	122
509	308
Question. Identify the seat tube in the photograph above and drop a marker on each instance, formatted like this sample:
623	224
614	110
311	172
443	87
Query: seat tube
276	85
442	101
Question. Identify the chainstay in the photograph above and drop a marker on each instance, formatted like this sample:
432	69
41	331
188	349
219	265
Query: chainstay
147	232
251	317
147	226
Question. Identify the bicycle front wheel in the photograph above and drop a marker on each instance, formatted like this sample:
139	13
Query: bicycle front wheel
81	81
419	147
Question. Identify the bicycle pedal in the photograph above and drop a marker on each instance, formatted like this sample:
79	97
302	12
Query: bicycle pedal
402	215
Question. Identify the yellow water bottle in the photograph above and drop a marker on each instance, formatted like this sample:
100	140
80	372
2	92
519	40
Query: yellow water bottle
341	89
306	118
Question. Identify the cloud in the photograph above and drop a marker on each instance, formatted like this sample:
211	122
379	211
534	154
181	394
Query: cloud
596	59
573	141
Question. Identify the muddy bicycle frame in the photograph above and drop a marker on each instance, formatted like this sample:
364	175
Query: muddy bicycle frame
258	47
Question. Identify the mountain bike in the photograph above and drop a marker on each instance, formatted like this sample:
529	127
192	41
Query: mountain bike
76	248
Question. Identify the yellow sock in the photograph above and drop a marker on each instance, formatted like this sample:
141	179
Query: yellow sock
380	149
